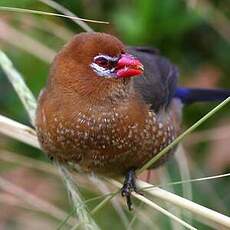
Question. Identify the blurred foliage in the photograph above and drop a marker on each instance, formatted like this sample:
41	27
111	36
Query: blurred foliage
160	18
15	3
195	36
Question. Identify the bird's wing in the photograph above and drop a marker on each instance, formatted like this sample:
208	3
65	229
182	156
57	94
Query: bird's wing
158	84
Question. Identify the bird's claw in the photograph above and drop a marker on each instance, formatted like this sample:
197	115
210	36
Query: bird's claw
51	158
129	187
126	192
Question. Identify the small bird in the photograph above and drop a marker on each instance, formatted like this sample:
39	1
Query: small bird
108	109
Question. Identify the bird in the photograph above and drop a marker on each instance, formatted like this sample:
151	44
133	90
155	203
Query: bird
108	108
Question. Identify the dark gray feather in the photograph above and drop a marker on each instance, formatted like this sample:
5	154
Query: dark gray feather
158	84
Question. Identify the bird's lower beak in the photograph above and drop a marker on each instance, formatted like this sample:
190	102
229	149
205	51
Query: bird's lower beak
129	66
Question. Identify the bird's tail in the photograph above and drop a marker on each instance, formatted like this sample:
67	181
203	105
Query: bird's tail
191	95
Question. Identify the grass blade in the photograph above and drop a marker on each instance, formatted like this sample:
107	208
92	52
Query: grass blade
19	85
29	11
79	205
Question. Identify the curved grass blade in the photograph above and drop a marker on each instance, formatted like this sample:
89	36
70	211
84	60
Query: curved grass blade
19	85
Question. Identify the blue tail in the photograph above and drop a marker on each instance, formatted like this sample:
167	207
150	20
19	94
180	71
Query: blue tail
190	95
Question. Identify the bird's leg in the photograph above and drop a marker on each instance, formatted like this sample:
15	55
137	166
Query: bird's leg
129	186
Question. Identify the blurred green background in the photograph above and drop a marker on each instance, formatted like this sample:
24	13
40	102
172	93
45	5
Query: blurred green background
193	34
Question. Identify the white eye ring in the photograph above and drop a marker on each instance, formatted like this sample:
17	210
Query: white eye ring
105	69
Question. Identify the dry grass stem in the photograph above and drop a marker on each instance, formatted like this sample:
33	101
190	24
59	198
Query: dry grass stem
182	163
34	201
155	206
183	166
210	217
164	179
19	159
20	40
11	200
18	131
28	162
48	26
163	211
207	188
190	181
102	186
143	215
146	218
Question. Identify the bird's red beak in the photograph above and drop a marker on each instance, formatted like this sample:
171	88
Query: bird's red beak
128	66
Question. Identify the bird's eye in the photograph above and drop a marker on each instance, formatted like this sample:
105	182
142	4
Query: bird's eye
102	61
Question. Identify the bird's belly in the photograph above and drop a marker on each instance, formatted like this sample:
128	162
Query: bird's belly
118	158
117	163
107	145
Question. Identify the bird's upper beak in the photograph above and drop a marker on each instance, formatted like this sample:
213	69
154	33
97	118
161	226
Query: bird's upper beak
128	66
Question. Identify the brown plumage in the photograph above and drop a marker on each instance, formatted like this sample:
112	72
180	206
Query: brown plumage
101	123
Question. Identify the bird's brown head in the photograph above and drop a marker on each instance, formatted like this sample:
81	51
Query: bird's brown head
93	59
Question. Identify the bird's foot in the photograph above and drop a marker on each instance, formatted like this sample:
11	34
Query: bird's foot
51	158
129	186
